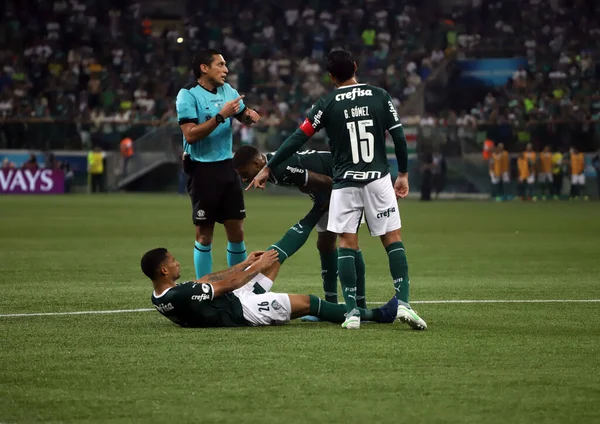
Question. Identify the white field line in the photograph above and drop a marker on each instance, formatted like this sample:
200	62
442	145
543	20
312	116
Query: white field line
416	302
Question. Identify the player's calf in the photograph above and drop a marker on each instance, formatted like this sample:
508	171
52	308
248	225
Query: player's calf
326	244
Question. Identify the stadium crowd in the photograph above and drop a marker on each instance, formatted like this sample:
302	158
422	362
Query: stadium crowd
108	65
560	40
104	71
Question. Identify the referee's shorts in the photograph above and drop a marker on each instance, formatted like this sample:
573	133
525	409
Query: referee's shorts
215	190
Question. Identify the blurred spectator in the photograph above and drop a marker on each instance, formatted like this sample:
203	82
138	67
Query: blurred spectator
126	147
69	174
96	170
596	165
50	162
7	164
438	172
31	164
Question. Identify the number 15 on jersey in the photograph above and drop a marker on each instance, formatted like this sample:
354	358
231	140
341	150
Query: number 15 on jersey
362	142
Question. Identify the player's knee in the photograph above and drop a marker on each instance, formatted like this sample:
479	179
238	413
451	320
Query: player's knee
326	242
204	234
391	237
235	230
349	241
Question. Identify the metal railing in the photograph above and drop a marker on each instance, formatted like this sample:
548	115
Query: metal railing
155	148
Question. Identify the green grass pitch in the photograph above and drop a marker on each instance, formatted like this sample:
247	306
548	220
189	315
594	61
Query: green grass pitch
477	362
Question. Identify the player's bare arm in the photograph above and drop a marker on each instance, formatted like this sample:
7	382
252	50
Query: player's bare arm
197	132
221	275
239	279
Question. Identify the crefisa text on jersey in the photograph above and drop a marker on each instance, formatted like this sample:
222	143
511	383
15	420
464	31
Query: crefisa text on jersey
200	297
357	112
351	95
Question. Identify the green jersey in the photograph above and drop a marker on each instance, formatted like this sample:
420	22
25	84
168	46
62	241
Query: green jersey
293	172
193	304
355	118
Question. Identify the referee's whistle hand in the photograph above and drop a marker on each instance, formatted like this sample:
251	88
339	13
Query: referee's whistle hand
231	107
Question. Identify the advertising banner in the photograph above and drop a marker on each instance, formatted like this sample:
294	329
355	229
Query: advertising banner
24	181
490	72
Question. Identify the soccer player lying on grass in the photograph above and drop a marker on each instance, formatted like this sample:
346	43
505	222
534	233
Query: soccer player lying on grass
239	296
309	171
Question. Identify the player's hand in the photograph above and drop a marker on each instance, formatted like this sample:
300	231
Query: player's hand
231	107
252	117
401	186
267	259
253	257
260	181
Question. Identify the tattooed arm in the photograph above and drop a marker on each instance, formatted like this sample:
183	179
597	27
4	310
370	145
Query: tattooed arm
236	276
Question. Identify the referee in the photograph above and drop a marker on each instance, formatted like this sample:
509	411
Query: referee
204	111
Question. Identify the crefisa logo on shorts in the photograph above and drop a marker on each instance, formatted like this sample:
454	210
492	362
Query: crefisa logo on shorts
386	213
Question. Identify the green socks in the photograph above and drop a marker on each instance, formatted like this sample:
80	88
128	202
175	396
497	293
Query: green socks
296	236
329	275
361	300
334	312
347	274
399	270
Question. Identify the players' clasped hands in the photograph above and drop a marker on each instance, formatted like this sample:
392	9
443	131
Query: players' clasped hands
261	259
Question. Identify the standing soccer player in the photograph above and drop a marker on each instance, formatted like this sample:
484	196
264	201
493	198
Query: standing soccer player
204	111
532	158
577	168
356	117
545	175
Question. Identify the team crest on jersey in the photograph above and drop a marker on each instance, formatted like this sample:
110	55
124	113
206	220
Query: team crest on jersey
207	117
276	305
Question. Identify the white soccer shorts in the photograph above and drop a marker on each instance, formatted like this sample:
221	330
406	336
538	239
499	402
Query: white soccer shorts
265	309
505	177
494	179
578	179
376	200
531	179
322	224
544	177
262	280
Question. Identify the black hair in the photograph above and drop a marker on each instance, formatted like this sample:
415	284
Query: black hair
340	64
152	260
203	57
244	156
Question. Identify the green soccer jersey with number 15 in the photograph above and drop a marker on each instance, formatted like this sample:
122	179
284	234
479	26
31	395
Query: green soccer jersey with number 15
355	118
193	304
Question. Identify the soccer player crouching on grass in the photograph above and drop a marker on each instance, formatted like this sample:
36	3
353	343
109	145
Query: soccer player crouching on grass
239	296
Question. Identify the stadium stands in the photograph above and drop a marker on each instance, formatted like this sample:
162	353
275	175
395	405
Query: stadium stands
106	64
